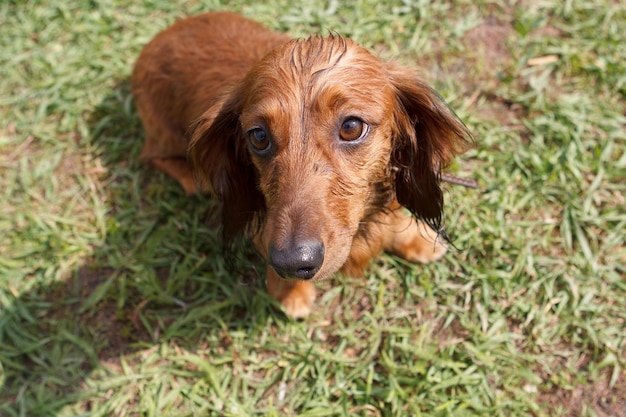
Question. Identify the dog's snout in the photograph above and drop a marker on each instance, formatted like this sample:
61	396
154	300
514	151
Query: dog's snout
301	260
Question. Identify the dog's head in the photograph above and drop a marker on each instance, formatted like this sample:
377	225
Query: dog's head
317	138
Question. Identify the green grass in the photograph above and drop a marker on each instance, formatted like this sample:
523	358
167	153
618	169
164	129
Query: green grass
115	300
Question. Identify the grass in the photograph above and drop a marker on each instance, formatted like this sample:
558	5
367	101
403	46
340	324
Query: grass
115	300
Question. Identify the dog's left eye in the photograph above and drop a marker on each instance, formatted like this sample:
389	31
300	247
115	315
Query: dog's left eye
353	129
259	140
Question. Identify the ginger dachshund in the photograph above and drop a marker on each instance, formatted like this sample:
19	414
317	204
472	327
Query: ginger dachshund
314	146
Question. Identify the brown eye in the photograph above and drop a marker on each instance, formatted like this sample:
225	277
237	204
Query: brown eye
353	129
259	140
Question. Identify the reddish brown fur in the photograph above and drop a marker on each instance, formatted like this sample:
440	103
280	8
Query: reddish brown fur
227	75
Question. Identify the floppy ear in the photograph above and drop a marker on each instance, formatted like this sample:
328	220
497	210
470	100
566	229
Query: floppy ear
222	166
428	135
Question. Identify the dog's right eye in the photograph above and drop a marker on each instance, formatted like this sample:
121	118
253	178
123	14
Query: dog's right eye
259	140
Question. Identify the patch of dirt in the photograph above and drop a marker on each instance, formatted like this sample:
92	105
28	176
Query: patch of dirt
605	401
488	43
485	60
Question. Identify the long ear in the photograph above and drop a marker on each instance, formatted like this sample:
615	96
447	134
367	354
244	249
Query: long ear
428	136
222	166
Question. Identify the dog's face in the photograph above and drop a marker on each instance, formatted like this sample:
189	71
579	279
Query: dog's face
320	141
319	136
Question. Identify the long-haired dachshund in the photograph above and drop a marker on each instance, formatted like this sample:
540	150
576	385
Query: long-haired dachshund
313	145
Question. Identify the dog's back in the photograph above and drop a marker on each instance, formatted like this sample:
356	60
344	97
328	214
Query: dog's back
187	67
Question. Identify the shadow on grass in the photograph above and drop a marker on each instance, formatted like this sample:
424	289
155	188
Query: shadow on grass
158	277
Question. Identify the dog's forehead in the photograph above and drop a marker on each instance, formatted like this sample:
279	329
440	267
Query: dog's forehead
317	53
302	70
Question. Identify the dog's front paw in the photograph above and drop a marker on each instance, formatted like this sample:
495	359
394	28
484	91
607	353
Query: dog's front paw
297	297
419	243
299	301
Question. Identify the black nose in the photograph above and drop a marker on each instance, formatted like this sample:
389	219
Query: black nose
301	260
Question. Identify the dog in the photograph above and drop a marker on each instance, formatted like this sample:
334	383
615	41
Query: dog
316	148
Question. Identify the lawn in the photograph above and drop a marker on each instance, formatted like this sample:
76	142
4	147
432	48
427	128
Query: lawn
115	299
